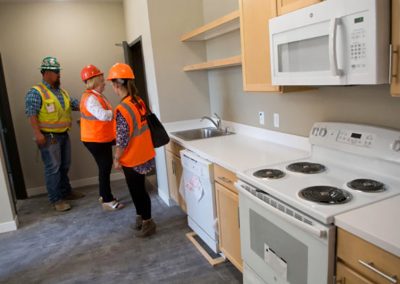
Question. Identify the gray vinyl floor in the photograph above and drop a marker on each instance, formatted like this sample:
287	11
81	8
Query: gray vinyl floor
88	245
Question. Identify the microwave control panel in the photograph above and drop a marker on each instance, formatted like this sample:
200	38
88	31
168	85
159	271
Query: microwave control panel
358	43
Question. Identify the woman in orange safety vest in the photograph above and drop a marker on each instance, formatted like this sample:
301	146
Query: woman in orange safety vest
134	152
97	131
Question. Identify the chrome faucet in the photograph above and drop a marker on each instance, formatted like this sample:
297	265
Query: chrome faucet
217	124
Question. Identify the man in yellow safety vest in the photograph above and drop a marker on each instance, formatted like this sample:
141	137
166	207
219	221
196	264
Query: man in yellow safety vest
48	108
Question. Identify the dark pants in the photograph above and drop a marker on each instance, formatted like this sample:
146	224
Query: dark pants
137	188
102	153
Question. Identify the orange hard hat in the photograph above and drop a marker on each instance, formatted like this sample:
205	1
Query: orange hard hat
120	71
90	71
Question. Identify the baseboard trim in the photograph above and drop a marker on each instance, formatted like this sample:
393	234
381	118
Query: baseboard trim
9	226
74	183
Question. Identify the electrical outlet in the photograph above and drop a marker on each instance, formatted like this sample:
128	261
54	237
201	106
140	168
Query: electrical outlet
261	117
276	120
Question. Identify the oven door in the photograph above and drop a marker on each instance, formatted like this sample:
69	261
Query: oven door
282	245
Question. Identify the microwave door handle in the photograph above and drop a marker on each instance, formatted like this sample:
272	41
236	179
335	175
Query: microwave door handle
332	47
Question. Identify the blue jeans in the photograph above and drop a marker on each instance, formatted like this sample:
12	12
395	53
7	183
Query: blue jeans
56	156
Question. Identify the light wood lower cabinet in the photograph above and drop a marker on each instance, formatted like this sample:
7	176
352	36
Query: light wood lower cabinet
174	172
227	200
345	275
362	262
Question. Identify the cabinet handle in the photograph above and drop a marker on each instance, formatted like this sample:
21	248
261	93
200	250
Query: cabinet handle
173	167
224	179
238	212
394	62
370	265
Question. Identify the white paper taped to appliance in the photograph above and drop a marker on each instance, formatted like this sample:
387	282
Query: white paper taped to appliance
195	187
275	262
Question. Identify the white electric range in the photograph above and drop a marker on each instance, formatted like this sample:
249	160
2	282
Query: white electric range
287	210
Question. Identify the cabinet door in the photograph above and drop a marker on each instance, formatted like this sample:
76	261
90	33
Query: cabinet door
178	174
228	224
395	85
366	258
254	32
173	182
345	275
286	6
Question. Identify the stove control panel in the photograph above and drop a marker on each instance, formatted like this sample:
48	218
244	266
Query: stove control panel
355	138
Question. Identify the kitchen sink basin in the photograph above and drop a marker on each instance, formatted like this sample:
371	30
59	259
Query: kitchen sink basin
200	133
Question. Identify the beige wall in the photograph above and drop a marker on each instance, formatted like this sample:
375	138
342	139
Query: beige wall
77	33
182	95
174	94
298	111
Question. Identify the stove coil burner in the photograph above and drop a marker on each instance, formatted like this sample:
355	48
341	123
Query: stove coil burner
366	185
325	195
269	174
306	168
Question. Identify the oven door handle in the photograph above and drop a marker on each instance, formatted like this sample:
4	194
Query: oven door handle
299	224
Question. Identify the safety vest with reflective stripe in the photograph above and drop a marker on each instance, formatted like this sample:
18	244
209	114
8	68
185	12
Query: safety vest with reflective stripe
140	148
92	129
52	116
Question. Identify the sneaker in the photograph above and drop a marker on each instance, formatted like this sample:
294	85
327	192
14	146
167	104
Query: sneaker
148	229
73	195
138	223
61	206
112	205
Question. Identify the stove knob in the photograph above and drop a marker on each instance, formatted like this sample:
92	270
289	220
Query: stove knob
323	132
315	131
396	146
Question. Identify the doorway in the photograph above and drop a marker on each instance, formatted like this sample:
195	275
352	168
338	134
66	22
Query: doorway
133	53
9	143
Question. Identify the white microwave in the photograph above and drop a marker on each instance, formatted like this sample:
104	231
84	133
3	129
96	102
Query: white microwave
335	42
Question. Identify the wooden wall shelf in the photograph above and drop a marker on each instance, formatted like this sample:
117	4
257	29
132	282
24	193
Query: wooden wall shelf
225	24
214	64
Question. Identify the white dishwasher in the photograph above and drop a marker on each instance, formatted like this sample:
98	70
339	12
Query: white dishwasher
198	182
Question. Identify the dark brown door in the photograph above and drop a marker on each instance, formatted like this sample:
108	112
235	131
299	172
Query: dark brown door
9	143
134	57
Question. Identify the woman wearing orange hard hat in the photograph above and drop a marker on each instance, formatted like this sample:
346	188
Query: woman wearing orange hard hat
97	131
134	148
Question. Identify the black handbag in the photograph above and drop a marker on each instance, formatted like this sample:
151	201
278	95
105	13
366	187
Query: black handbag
159	135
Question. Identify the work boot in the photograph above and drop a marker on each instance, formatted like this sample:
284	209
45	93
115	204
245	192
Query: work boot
73	195
61	205
148	229
138	223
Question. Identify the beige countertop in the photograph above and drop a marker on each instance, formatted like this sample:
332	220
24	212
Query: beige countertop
376	223
239	152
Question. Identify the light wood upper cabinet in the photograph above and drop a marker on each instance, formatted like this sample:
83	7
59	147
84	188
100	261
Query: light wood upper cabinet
362	262
395	85
254	32
286	6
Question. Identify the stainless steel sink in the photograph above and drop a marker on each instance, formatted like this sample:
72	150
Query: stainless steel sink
200	133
